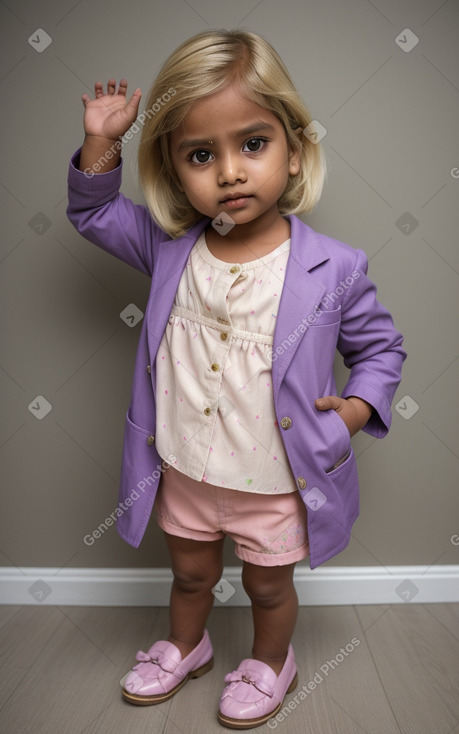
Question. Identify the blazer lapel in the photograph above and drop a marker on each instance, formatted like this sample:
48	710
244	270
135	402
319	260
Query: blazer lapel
171	259
301	294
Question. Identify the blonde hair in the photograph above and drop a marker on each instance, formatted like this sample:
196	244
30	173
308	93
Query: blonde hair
204	65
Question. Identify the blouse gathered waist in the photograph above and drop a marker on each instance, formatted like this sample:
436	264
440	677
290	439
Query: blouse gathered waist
215	406
235	333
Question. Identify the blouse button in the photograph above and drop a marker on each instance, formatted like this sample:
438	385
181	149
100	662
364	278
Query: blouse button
214	367
234	269
301	482
224	336
148	369
221	320
150	440
286	423
206	411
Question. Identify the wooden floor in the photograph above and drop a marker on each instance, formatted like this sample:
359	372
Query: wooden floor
398	674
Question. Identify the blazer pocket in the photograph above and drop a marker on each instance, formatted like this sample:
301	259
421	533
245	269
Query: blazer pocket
326	318
345	480
339	441
344	430
338	463
139	429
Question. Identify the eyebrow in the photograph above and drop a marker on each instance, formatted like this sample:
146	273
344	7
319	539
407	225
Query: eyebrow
255	127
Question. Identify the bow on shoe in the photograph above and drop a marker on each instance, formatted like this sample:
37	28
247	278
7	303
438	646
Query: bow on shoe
158	658
239	676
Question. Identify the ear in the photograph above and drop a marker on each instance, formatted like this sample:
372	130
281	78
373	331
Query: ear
294	162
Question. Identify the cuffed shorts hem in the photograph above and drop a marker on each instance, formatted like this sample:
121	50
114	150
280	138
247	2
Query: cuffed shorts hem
187	533
271	559
267	530
245	554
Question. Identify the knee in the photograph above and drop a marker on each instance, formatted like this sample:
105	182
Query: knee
266	592
193	578
263	593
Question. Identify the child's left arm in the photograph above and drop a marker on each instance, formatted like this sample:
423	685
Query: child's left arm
354	411
371	348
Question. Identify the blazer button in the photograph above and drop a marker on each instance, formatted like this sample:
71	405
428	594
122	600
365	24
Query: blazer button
302	482
286	423
150	440
148	369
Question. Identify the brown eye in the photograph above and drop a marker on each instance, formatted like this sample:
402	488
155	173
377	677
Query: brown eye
254	145
200	156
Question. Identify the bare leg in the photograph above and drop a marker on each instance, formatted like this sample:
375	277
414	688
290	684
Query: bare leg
275	610
197	566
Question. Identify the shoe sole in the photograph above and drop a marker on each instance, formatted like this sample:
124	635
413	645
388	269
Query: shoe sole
251	723
152	700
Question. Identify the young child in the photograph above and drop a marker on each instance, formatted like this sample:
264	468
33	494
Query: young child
234	427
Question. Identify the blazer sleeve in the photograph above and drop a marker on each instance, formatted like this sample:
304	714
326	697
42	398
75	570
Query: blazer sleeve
371	348
111	221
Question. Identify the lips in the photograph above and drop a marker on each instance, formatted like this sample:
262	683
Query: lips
236	200
236	195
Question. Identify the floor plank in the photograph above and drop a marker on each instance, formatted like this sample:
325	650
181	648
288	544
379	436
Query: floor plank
447	615
64	685
398	674
23	638
7	612
418	662
350	697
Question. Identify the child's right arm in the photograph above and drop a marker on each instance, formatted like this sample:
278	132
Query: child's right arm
96	208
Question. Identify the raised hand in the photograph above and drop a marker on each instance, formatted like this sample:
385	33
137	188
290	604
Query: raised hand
109	115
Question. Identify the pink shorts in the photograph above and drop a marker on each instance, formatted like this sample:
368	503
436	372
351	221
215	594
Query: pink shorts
268	529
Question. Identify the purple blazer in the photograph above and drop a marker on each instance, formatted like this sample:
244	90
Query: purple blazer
327	303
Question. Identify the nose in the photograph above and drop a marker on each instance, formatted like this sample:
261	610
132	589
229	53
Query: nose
231	169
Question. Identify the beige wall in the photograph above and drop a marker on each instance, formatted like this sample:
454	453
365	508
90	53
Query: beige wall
392	120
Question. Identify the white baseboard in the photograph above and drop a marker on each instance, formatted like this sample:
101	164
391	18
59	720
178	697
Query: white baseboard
150	587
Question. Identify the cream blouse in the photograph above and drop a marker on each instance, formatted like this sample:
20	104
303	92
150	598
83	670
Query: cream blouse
215	407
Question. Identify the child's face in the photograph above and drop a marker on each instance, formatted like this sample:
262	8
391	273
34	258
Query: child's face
232	156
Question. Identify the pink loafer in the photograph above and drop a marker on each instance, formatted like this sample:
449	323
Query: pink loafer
255	694
161	672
